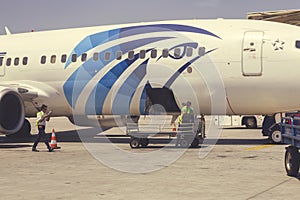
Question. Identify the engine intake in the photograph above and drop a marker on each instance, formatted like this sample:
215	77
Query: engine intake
12	111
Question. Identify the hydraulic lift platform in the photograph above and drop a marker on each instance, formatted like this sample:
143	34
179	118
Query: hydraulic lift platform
185	134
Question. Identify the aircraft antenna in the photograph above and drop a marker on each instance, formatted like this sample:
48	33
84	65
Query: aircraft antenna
7	31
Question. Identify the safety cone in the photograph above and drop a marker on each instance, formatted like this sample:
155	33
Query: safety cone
53	143
174	131
174	127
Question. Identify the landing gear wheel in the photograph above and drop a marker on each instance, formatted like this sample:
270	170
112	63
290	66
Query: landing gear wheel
292	161
275	135
144	142
134	143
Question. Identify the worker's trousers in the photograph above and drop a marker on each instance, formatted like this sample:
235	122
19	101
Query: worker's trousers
41	136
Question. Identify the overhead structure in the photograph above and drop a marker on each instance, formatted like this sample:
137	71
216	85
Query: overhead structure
284	16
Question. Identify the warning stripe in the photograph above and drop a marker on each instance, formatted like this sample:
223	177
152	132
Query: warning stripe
259	147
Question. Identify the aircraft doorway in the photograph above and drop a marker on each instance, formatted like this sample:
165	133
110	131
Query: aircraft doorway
163	97
252	54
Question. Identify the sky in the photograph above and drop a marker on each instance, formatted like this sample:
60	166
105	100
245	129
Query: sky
38	15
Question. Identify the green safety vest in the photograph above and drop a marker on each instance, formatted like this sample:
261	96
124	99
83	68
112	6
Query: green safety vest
185	110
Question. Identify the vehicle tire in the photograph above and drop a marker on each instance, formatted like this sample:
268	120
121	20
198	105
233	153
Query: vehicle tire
267	123
195	143
292	161
251	123
134	143
144	142
184	143
275	135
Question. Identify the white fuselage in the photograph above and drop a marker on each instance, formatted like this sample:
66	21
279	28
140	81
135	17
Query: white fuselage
255	64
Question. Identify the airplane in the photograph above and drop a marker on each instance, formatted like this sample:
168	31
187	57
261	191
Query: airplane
224	67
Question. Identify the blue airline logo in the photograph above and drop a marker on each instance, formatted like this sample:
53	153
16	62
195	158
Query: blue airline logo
76	83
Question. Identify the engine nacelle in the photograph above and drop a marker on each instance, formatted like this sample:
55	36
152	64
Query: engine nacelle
12	111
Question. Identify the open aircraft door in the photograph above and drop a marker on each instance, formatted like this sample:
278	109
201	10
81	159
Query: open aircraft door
252	53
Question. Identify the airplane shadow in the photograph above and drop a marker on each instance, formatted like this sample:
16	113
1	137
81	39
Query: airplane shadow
241	128
13	146
90	135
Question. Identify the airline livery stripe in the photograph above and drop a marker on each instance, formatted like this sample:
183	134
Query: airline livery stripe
181	69
87	71
100	38
128	89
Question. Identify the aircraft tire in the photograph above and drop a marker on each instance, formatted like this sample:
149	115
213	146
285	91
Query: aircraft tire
292	161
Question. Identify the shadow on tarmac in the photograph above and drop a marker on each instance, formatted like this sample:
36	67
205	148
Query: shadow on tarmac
13	146
241	128
73	136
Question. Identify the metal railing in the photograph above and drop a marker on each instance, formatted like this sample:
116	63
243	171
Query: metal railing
290	130
159	129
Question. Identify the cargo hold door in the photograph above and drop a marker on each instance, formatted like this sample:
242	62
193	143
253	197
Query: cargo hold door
252	53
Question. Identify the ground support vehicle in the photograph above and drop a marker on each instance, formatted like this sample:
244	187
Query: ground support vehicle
186	134
290	130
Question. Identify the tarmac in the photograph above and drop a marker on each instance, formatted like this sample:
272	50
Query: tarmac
242	165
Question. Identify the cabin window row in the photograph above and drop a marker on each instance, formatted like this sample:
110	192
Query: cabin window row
177	52
15	62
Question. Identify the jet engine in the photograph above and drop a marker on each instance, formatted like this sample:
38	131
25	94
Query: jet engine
12	111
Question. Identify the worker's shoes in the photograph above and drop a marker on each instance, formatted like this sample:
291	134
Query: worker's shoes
51	149
35	150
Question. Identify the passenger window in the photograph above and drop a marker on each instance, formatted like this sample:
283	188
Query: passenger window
1	61
165	53
142	54
25	61
43	59
107	56
131	55
154	53
63	58
177	53
8	62
74	57
53	59
298	44
119	55
96	57
189	52
17	61
83	57
201	51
